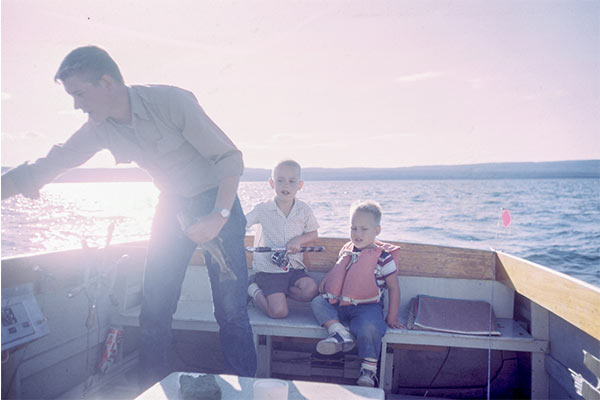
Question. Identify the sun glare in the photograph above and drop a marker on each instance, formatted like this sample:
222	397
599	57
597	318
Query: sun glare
66	214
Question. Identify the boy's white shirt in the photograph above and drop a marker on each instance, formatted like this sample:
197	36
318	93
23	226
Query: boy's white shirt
275	230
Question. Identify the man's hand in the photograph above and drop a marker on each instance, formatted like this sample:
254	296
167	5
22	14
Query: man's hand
206	228
21	175
9	189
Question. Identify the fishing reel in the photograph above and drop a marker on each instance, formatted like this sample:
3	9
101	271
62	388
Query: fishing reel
280	258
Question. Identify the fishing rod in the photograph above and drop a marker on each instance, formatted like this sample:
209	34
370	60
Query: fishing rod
280	254
303	249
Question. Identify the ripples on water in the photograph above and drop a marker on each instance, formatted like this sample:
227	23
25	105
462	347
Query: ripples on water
555	223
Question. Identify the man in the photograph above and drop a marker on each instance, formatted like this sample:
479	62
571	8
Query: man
197	168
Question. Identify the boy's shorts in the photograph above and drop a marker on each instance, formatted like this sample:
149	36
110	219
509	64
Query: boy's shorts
271	283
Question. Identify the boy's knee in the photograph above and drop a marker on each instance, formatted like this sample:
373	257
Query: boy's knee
369	330
307	284
311	290
279	312
317	302
278	309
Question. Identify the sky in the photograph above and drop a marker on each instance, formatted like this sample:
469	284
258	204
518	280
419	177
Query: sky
328	83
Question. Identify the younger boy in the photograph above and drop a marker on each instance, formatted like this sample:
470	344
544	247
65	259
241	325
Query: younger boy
286	222
352	293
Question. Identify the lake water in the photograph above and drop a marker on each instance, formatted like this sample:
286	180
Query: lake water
555	223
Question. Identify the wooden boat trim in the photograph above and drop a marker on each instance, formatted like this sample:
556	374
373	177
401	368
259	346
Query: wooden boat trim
417	260
575	301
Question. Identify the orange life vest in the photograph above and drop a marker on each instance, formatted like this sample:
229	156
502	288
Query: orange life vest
352	278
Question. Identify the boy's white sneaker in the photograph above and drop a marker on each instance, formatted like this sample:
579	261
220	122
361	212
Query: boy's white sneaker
336	342
367	378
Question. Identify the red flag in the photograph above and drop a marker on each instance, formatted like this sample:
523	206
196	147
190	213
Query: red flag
506	219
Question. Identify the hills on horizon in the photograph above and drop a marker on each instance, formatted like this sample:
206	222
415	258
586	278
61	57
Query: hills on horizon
507	170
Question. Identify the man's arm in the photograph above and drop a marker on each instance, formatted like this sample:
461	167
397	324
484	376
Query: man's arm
29	178
204	135
227	191
219	151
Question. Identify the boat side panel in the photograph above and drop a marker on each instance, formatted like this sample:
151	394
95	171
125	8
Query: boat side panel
568	343
51	365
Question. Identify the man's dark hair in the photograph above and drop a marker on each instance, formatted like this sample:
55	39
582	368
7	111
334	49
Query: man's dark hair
91	63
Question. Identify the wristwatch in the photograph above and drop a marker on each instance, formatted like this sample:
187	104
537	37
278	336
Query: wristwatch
223	212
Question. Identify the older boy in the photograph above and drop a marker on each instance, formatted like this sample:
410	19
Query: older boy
352	292
286	222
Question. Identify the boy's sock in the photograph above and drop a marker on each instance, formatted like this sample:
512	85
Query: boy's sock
369	364
253	290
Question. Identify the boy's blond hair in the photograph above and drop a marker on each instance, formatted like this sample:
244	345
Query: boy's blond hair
368	206
287	163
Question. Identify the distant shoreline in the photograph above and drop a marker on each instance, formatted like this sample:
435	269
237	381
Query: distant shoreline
587	169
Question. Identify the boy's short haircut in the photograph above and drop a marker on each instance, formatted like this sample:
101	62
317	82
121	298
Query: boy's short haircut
91	63
288	163
369	206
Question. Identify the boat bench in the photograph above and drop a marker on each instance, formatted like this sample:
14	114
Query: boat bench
195	312
513	337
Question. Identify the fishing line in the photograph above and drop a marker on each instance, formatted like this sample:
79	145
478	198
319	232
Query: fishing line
506	220
489	360
438	372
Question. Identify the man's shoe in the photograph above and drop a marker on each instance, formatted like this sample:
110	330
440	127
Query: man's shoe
367	378
336	342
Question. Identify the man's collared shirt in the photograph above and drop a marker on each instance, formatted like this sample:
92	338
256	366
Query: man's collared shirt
275	230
